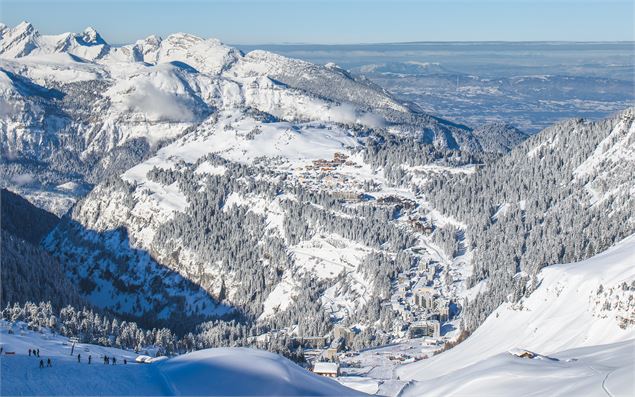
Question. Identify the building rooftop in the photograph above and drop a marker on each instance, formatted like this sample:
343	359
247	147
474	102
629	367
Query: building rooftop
325	368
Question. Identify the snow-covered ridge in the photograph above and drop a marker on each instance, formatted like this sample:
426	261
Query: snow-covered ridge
24	40
582	311
109	107
612	165
165	103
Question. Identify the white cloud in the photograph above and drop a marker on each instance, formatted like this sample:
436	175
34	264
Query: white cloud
159	105
349	114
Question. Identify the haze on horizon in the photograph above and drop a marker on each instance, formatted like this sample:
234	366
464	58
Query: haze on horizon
333	22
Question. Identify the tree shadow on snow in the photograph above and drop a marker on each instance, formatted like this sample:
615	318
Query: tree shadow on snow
131	282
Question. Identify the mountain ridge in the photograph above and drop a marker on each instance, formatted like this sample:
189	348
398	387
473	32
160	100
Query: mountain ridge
93	99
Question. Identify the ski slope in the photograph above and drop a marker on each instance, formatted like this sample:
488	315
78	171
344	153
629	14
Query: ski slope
580	319
213	372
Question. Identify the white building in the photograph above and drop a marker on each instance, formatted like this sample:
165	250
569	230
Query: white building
443	306
430	328
327	369
424	296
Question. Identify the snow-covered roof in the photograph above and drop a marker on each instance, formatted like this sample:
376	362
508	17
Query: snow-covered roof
521	352
143	359
325	368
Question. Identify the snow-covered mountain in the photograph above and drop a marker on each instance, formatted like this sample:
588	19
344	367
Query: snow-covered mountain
251	211
273	129
578	322
29	273
24	40
111	107
283	199
561	196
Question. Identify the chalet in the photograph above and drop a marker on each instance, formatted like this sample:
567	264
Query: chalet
421	226
347	195
143	359
342	333
339	157
330	354
313	342
522	353
389	200
330	165
331	370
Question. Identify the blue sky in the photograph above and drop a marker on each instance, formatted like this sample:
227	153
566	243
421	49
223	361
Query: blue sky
333	21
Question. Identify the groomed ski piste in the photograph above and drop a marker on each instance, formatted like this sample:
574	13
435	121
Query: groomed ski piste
210	372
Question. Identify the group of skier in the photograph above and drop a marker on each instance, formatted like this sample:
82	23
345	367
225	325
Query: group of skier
36	353
107	360
48	363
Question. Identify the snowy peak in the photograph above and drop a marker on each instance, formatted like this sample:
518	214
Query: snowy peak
18	41
208	56
91	37
24	40
23	29
144	50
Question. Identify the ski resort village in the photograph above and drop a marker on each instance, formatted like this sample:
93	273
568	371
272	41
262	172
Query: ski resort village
184	217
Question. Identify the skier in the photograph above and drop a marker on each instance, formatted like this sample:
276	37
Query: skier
41	363
105	359
38	352
89	358
125	362
114	361
48	363
79	358
29	352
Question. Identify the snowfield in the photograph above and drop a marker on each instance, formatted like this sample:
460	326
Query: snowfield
580	317
588	371
245	372
211	372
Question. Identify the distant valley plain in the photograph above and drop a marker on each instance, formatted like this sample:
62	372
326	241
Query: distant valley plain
530	85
